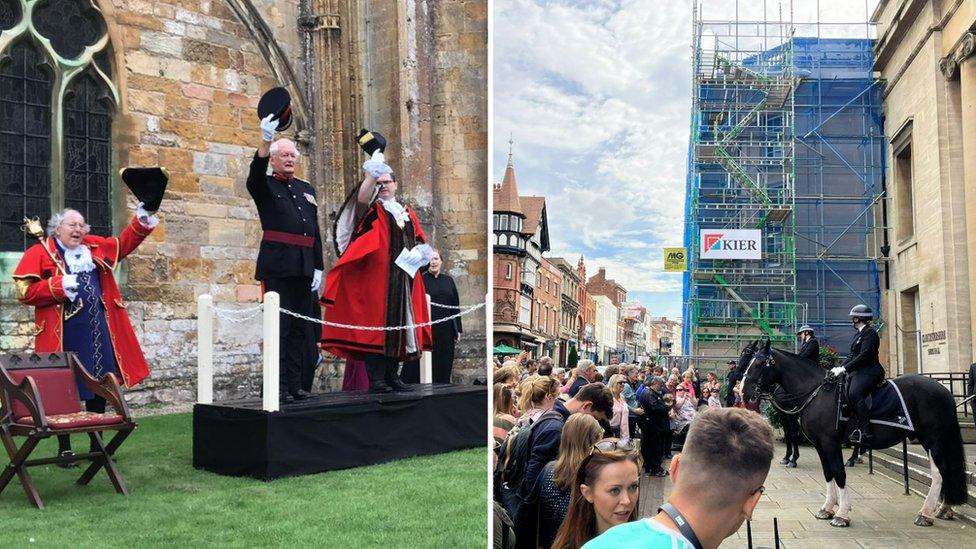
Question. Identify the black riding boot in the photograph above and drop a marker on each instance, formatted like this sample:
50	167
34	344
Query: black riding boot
862	436
376	372
393	378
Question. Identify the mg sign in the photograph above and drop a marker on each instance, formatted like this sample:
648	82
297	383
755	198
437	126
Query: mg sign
731	244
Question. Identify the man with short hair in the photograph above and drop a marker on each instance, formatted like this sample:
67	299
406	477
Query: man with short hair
531	367
545	368
594	399
585	373
290	256
718	480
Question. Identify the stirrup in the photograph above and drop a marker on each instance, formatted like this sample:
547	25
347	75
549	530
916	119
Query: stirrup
856	436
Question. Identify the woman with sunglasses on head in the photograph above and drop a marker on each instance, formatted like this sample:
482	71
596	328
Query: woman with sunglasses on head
619	422
555	485
604	494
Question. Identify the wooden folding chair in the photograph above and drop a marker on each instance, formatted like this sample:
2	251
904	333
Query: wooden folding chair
39	399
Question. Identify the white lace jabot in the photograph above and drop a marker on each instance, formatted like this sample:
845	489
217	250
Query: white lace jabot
397	210
79	260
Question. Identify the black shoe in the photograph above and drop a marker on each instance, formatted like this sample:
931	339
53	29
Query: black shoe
301	394
285	398
67	465
379	387
398	385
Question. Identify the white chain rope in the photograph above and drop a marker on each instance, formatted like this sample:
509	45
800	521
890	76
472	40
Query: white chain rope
442	306
244	315
464	311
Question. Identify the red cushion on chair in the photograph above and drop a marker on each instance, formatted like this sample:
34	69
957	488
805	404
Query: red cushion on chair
76	419
59	393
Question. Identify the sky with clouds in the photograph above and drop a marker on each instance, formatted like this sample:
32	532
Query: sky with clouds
596	95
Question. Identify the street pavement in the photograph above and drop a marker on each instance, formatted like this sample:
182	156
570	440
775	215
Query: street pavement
881	516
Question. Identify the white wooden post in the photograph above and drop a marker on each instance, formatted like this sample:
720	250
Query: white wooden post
204	349
427	361
272	305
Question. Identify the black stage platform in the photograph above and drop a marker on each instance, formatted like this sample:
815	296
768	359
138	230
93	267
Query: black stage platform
337	430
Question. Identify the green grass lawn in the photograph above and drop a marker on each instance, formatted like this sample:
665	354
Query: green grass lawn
434	501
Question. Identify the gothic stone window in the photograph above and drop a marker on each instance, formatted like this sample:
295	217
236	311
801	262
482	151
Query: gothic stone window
57	100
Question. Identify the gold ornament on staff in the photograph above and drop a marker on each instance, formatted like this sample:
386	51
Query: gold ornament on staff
32	226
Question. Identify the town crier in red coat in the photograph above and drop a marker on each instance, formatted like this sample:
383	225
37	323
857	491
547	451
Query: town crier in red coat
377	281
69	279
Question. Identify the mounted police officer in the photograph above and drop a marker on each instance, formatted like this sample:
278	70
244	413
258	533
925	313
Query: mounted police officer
810	349
864	369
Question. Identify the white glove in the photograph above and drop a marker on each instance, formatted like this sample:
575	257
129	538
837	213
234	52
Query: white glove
837	370
426	253
69	283
146	219
316	280
268	127
376	165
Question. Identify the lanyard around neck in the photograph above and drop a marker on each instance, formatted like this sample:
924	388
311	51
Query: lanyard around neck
682	523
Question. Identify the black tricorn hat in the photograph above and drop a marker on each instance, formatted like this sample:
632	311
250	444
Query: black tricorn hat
371	141
148	184
276	101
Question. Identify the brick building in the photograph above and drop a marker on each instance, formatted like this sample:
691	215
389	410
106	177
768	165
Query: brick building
175	84
548	304
599	284
569	309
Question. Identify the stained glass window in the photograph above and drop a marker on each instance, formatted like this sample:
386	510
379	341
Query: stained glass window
70	25
87	153
25	141
42	169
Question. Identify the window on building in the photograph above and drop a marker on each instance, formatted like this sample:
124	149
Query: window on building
904	190
504	223
525	310
42	170
508	271
494	221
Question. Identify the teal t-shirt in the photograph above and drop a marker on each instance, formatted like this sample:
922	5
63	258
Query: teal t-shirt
642	534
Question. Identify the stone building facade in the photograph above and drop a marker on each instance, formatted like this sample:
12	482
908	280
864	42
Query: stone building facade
599	284
569	308
176	83
924	54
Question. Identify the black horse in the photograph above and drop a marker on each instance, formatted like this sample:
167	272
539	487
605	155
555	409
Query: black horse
808	393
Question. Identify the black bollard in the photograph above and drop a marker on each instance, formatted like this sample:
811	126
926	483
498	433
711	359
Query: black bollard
776	532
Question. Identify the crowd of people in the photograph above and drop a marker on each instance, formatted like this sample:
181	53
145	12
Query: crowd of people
570	446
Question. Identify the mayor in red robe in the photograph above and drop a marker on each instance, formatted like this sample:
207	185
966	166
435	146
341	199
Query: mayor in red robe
70	282
366	288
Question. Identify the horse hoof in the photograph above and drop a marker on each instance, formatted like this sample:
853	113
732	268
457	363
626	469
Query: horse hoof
791	465
784	461
945	514
850	463
840	522
922	520
823	514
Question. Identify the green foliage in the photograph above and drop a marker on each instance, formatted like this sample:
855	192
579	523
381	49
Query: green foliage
432	501
573	358
828	356
772	415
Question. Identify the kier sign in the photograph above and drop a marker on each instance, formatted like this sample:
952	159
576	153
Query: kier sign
731	244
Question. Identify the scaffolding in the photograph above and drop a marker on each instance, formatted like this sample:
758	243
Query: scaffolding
785	138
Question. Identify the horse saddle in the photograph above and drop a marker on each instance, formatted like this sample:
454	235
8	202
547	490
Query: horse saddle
885	402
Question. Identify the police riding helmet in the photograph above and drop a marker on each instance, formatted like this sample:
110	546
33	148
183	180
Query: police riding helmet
862	311
804	328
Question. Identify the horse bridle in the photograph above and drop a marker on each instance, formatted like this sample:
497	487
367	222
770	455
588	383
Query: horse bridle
763	394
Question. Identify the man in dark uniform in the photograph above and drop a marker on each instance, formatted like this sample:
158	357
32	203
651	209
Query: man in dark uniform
731	378
290	257
864	369
810	349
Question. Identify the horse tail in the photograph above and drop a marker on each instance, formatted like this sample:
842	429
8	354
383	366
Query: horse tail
954	480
